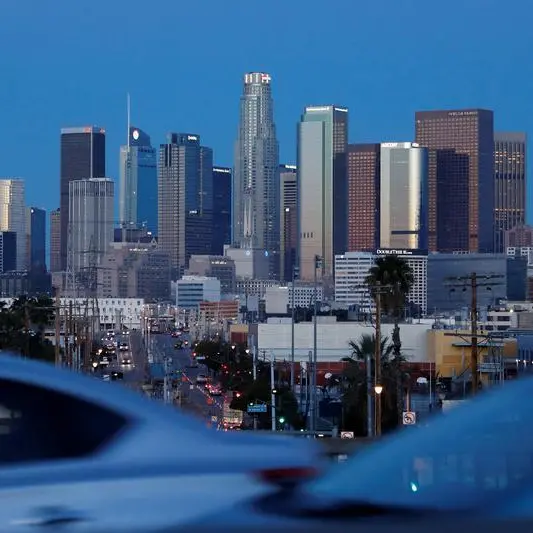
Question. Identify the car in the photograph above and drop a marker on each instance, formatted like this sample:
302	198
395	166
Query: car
186	343
126	361
124	347
470	465
76	452
178	345
201	379
215	390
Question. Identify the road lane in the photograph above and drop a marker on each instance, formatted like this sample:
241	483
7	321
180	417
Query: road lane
197	395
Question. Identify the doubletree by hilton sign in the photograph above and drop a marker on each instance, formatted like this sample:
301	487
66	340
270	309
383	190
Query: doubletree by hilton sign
391	251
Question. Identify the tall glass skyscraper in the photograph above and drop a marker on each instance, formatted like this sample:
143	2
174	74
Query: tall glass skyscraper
403	196
221	209
36	239
138	183
82	157
185	199
255	212
322	188
13	215
510	184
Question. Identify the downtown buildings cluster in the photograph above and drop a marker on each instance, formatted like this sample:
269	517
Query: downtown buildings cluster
456	188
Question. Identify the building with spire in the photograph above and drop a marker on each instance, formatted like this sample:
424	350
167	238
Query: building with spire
256	191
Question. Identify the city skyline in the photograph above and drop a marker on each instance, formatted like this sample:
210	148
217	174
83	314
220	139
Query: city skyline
388	85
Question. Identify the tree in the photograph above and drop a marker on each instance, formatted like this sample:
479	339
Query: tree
355	380
23	324
393	278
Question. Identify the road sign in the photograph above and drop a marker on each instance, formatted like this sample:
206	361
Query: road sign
347	435
257	408
214	418
409	418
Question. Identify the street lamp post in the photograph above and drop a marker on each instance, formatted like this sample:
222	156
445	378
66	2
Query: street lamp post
377	361
314	397
294	274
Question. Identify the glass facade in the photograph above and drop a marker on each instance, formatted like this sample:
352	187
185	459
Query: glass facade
138	183
13	215
460	178
255	211
222	179
322	188
510	184
403	196
36	238
82	157
185	199
288	177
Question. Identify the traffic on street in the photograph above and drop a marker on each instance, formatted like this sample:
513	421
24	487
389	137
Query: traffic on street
188	379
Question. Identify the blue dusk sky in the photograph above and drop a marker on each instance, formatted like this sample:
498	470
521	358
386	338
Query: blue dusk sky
71	63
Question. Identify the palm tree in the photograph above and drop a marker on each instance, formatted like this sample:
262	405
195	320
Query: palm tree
394	274
355	379
395	278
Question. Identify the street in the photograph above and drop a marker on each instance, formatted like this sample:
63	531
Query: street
195	397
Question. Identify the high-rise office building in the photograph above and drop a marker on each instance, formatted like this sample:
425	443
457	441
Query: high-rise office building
13	215
36	239
138	183
288	178
82	157
363	176
221	209
460	178
510	184
403	196
55	240
185	199
255	209
91	210
8	251
322	188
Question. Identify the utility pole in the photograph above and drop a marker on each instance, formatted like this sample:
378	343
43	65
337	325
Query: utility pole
57	323
314	396
273	393
377	361
293	317
475	282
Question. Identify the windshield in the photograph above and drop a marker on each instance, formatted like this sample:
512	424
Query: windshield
463	457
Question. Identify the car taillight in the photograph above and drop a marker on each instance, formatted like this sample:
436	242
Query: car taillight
287	476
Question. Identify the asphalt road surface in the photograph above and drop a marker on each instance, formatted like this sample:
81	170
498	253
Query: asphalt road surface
196	396
134	374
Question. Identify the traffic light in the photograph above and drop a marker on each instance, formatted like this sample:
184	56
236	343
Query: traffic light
282	420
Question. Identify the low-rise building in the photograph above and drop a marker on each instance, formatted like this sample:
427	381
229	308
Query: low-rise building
192	290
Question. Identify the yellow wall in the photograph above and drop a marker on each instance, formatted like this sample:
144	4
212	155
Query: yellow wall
452	360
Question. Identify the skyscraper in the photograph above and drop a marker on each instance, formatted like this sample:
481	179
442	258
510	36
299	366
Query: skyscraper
82	157
221	209
403	196
363	176
13	215
91	209
322	188
185	199
55	240
36	239
460	178
255	209
288	178
138	182
510	184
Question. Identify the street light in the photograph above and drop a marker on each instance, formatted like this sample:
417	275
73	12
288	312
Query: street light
378	389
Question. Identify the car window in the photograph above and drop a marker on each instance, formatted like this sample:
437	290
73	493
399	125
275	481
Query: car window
38	424
458	460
